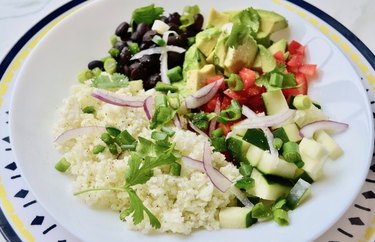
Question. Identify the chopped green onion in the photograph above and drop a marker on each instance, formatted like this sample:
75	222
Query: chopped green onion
162	116
217	133
245	183
276	80
245	169
124	138
113	39
62	165
232	113
128	147
158	40
175	169
280	216
98	149
85	75
165	87
88	109
302	102
234	82
114	52
175	74
110	65
277	143
261	211
96	71
113	131
291	153
113	149
106	138
134	48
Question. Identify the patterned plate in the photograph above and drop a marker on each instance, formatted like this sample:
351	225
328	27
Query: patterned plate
23	219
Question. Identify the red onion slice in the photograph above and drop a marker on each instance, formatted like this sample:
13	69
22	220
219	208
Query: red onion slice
73	133
265	121
203	95
220	181
192	163
151	51
213	121
196	129
267	132
177	121
241	196
148	106
176	49
309	129
164	66
118	99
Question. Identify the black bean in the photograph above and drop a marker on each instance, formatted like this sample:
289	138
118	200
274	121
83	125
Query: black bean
174	18
124	56
175	59
150	62
177	40
164	19
122	30
175	27
126	70
139	73
142	28
120	45
147	37
95	63
120	69
198	22
151	81
189	32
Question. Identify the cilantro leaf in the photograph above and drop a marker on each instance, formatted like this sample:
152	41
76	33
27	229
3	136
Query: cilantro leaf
288	80
147	14
249	18
187	18
137	210
238	33
116	80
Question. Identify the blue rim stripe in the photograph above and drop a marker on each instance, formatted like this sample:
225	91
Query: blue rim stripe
33	31
352	38
5	228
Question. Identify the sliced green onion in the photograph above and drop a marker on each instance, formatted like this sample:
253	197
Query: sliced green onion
129	147
281	217
134	48
175	169
162	115
98	149
276	80
175	74
291	153
88	109
85	75
96	71
158	40
245	183
113	131
124	138
217	132
232	113
234	82
277	143
113	149
260	211
110	65
165	87
62	165
302	102
106	138
114	52
113	39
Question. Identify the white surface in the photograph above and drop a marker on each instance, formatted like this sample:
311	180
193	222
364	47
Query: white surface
32	114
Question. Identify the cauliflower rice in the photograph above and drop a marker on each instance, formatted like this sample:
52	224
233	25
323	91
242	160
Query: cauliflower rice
181	203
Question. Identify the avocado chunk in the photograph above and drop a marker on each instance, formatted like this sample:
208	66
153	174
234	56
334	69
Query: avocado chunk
263	39
207	39
267	59
217	19
278	46
196	79
241	56
271	22
194	60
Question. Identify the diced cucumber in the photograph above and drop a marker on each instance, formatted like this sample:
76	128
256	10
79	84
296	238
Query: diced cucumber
314	156
274	102
272	165
298	193
288	132
254	154
235	217
310	115
238	148
264	189
257	138
334	150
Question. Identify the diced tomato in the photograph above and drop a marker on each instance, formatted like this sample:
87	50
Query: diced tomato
302	89
211	104
248	77
239	96
255	90
279	57
292	69
256	103
214	79
308	69
225	127
295	61
225	103
295	47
